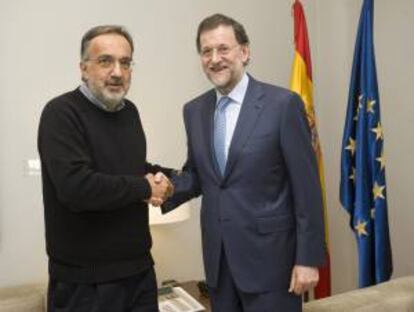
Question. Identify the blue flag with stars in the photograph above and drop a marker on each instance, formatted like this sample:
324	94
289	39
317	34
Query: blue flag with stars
363	191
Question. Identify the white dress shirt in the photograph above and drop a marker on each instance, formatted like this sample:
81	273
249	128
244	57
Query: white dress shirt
233	109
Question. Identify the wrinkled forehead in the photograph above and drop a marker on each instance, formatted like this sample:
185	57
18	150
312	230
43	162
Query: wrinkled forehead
221	35
109	44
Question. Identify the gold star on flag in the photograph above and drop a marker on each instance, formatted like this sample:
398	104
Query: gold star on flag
381	160
378	131
353	175
370	106
352	146
373	213
377	191
361	228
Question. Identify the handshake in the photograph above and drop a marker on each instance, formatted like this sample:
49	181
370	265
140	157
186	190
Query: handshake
161	188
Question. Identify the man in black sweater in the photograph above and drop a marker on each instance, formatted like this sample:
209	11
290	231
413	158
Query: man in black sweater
96	185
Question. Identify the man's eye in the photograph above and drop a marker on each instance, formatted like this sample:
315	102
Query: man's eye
223	50
105	62
206	52
125	63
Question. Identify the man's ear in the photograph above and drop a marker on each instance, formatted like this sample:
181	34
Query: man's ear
83	68
245	54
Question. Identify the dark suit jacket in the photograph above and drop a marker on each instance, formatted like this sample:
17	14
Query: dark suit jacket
267	209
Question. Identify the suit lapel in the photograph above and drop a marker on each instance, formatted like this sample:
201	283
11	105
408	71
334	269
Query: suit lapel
208	109
250	111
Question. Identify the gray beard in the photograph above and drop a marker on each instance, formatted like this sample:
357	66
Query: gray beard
111	102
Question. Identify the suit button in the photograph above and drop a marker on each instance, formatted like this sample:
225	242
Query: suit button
223	187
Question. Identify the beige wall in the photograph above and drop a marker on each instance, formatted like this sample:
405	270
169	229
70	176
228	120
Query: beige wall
336	27
39	58
396	74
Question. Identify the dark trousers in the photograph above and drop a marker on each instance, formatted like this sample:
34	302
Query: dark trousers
137	293
227	297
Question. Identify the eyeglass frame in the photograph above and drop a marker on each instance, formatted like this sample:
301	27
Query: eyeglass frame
108	62
221	50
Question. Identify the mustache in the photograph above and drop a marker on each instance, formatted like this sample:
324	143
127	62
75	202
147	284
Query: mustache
217	66
115	81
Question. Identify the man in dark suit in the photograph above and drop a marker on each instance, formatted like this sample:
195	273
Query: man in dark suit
250	157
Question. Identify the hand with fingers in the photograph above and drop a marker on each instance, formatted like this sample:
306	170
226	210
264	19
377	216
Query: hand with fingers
161	188
303	279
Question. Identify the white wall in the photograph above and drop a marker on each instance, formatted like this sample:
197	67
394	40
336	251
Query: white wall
39	55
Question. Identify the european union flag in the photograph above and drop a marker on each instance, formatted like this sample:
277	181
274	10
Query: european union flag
363	189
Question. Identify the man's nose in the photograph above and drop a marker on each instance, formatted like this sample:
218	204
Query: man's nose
116	69
215	56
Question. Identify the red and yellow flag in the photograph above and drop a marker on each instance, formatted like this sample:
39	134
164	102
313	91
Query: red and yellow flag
301	83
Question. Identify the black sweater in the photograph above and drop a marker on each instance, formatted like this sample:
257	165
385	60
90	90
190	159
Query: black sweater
93	167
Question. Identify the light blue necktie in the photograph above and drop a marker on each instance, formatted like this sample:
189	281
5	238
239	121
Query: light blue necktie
220	132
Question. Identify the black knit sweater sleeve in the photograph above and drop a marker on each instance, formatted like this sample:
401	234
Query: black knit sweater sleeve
151	168
69	164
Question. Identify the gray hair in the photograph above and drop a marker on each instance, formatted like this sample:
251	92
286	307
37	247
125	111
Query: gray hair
102	30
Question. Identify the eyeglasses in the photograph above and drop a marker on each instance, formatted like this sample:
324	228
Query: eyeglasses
108	62
221	50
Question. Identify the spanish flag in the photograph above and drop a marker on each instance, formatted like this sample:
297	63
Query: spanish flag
301	83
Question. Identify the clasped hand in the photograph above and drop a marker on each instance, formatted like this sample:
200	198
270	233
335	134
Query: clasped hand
161	188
